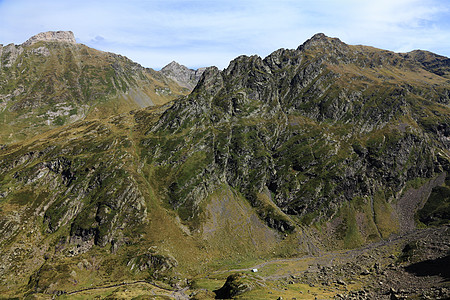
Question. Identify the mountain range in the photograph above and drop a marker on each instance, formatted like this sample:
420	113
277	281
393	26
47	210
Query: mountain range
118	178
50	80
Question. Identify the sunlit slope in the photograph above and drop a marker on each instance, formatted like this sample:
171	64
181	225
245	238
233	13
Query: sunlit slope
45	84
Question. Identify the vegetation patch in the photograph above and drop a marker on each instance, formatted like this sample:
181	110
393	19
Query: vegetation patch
436	210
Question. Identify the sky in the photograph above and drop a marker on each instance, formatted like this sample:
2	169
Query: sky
199	33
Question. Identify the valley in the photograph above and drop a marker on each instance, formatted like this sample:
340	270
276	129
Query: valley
382	270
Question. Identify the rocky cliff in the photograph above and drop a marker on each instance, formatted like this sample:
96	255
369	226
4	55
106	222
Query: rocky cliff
52	36
316	129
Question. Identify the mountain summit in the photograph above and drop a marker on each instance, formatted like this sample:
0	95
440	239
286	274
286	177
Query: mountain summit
184	76
52	36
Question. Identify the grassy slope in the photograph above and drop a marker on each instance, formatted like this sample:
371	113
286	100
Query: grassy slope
70	82
218	243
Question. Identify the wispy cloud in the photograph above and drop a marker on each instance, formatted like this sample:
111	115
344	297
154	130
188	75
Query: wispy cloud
200	32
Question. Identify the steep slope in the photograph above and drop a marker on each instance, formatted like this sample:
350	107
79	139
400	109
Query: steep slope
328	131
78	208
50	80
322	147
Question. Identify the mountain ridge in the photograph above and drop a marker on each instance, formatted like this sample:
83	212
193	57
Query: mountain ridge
51	80
220	98
324	147
184	76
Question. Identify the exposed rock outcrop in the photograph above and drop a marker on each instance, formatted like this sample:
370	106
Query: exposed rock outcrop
318	126
182	75
235	285
52	36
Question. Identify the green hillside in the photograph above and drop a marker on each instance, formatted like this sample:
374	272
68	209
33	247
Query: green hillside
46	84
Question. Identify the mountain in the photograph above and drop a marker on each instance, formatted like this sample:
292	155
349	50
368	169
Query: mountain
314	128
278	163
182	75
50	80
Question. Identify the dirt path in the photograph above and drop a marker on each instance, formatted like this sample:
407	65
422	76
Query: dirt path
162	291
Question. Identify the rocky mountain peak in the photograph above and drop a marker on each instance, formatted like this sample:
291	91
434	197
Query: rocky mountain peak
173	65
319	37
52	36
321	40
182	75
432	62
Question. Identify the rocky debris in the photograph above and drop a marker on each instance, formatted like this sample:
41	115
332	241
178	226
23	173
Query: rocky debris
156	264
356	295
182	75
420	271
413	199
52	36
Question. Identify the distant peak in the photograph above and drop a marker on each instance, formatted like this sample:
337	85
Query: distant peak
319	36
173	65
184	76
52	36
320	39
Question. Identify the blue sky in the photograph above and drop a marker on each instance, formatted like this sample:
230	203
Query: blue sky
202	33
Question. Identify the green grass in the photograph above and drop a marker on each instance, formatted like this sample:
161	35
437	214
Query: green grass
351	234
384	218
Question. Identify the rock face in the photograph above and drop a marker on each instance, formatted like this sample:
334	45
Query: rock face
184	76
235	285
308	130
52	36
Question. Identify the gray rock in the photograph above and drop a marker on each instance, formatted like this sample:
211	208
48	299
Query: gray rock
365	272
341	282
52	36
182	75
